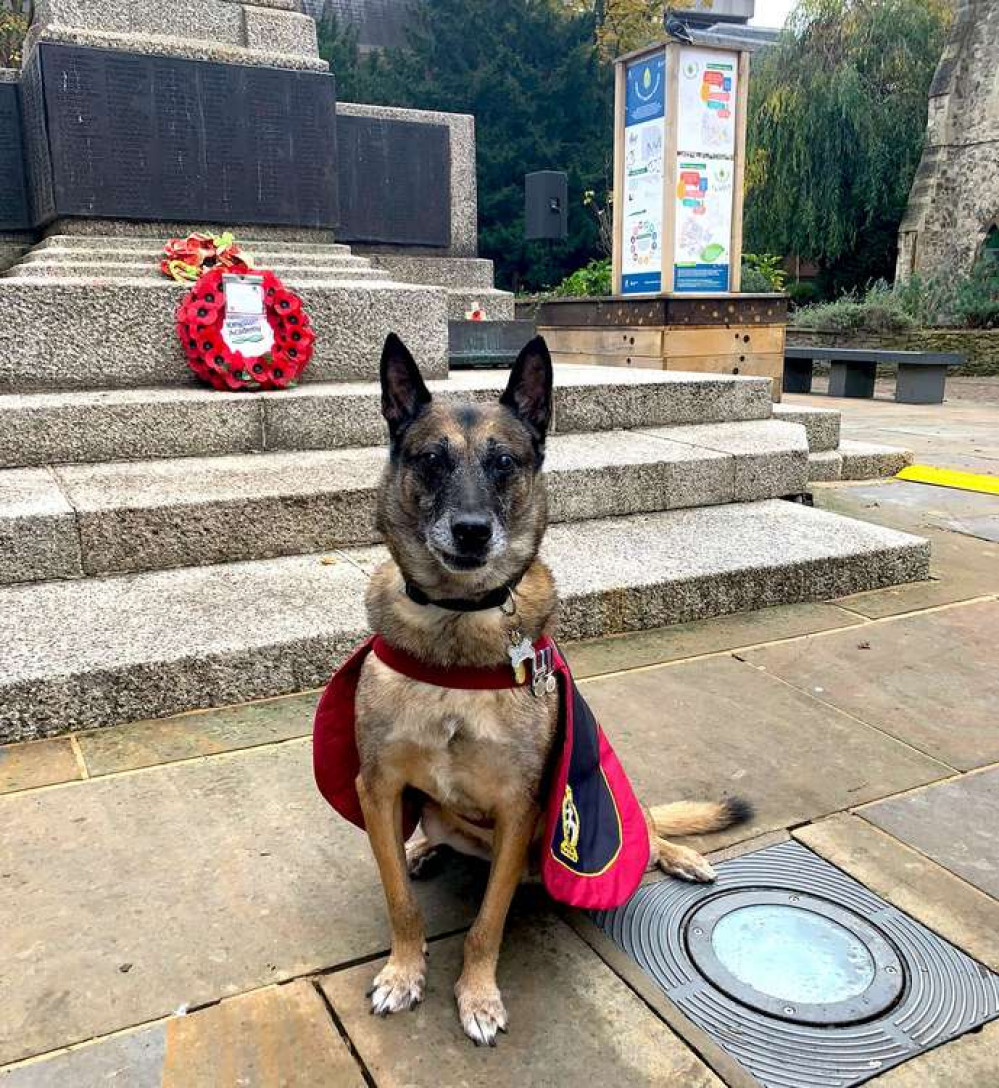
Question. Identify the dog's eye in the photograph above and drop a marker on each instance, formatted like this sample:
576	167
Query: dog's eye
504	462
431	460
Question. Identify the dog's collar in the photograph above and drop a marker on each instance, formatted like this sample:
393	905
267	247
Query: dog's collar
466	677
495	598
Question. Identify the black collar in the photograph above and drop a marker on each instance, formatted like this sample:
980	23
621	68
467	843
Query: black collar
495	598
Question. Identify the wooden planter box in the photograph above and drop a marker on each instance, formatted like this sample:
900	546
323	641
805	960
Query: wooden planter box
718	334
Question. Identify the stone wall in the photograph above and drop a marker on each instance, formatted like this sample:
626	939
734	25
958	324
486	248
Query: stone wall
955	195
980	347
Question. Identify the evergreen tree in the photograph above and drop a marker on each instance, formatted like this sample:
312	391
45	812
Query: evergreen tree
529	72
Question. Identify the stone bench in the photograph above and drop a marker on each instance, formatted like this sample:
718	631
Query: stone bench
921	374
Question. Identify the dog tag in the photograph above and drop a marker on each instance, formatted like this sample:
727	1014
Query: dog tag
551	684
520	653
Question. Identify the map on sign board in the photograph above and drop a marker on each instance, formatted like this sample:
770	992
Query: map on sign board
707	96
642	211
703	224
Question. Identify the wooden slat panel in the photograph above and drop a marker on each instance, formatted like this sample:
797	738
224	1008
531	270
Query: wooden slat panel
637	362
760	366
619	341
665	311
743	340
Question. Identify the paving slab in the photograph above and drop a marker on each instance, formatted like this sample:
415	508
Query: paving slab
969	1062
209	878
961	569
572	1021
955	824
37	763
276	1037
718	727
928	679
948	905
661	644
201	733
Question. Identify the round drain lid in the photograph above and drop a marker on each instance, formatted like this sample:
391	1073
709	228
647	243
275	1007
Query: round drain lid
794	956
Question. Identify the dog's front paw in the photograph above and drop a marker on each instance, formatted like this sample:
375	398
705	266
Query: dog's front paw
481	1011
397	986
687	864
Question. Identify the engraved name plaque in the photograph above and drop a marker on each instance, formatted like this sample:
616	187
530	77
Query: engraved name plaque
14	213
127	136
395	181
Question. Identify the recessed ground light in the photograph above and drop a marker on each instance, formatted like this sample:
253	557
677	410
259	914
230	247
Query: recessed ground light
804	976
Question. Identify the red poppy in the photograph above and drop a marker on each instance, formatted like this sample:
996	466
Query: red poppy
287	304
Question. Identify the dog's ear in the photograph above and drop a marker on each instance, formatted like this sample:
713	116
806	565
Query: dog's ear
529	392
404	394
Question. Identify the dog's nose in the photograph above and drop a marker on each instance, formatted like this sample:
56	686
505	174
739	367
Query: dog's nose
471	533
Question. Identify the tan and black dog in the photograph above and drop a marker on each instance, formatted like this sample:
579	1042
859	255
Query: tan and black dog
463	510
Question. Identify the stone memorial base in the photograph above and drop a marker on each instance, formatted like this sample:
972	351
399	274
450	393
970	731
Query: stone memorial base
95	312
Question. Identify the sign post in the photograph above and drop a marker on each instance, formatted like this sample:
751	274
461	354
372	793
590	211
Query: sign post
679	146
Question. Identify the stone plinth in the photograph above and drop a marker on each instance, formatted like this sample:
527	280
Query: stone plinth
267	32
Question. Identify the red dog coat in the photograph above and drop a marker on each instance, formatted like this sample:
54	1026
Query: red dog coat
596	844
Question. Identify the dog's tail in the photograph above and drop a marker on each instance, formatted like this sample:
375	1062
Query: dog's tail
697	817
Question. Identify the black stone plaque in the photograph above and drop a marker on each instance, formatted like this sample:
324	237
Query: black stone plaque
14	214
128	136
395	181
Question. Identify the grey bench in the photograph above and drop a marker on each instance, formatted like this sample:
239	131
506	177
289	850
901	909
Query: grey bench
921	374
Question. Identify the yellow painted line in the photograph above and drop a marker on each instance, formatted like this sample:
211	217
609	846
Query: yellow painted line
951	477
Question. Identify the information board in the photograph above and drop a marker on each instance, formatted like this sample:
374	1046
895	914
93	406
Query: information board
679	151
706	101
644	147
702	258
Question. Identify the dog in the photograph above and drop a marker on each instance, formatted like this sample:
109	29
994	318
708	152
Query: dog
462	508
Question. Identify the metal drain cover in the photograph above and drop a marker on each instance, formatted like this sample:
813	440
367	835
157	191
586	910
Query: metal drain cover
804	976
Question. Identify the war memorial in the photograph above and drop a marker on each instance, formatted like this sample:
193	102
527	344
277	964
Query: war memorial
182	566
174	547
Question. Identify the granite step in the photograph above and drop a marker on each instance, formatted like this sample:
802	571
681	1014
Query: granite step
289	272
151	258
821	424
102	349
140	424
153	515
98	651
154	246
870	461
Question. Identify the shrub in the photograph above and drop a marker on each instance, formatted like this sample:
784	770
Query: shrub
593	279
770	266
754	281
802	294
879	309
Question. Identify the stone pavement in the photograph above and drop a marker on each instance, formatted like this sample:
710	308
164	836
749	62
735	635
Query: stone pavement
963	432
179	908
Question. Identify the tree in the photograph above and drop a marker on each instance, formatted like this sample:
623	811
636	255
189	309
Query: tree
13	27
624	25
836	123
529	72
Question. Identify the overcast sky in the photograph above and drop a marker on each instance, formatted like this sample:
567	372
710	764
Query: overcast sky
772	12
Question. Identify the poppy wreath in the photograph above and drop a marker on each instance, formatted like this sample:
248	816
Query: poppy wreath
199	325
